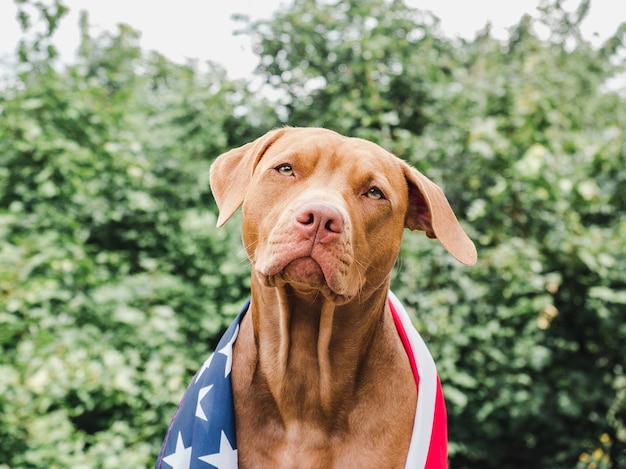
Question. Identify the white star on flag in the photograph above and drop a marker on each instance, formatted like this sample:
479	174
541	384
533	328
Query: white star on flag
181	458
199	411
225	459
205	366
227	350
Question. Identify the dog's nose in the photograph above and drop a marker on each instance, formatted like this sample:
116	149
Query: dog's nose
320	221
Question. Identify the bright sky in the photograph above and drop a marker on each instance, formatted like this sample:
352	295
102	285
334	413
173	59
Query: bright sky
203	30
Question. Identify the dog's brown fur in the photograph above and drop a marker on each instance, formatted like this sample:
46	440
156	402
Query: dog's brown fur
320	377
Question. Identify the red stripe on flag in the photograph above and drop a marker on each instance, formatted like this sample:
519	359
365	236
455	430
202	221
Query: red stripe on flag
438	449
405	342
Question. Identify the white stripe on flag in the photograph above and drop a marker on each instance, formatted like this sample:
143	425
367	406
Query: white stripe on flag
427	391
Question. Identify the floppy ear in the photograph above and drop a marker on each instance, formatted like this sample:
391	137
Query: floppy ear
231	172
430	211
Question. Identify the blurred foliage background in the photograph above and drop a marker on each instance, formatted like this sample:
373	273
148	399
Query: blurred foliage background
115	283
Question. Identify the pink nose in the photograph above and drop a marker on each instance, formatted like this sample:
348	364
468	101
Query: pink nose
319	221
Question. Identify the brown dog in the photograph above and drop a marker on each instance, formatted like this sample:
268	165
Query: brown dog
320	378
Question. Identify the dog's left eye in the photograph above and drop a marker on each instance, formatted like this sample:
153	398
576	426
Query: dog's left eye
375	194
285	169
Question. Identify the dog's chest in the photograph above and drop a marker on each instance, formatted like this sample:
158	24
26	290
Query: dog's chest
302	448
369	426
375	433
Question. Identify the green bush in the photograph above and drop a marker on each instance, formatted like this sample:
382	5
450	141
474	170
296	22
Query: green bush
114	282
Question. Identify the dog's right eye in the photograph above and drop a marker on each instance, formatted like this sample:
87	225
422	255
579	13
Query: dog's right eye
285	169
375	194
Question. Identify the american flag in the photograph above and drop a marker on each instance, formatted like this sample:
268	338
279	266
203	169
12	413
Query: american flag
202	432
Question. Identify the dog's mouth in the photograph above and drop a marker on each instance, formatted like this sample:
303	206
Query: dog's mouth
304	270
307	275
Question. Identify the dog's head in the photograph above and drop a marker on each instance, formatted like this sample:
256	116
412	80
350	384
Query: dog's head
323	212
